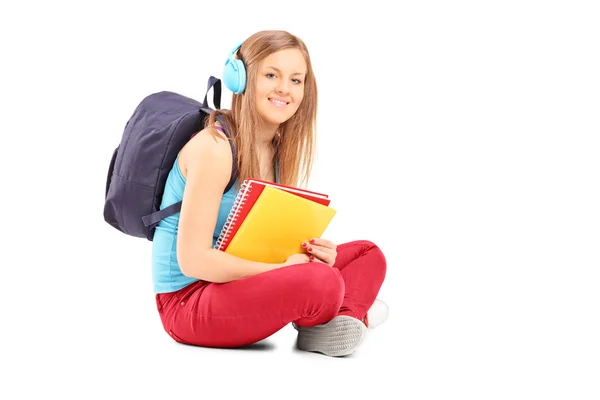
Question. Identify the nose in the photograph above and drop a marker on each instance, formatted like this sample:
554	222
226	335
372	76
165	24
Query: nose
282	86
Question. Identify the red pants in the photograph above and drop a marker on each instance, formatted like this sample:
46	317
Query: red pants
248	310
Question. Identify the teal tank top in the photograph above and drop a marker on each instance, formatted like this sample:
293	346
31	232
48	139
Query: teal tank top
166	274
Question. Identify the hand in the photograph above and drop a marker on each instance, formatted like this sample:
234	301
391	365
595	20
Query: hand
294	259
321	250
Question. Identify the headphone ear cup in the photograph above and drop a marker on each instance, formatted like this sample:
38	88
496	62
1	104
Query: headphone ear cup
234	75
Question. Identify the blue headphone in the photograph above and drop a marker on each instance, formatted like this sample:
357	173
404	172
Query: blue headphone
234	73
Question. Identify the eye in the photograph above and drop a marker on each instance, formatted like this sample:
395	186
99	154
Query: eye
270	75
296	81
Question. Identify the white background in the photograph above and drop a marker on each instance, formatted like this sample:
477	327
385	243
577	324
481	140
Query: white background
461	137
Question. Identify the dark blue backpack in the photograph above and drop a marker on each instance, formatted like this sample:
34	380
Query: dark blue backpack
158	129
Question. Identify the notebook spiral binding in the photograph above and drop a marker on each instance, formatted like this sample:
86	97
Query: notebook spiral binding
237	206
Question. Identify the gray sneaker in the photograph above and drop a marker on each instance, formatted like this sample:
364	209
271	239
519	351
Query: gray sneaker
339	337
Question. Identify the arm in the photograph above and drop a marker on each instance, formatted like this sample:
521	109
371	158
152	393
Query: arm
206	164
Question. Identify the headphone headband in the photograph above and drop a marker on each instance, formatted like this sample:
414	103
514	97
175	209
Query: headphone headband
232	53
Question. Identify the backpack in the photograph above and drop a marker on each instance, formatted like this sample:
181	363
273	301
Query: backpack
160	126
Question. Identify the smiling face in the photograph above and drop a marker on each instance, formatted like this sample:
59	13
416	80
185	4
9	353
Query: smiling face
280	86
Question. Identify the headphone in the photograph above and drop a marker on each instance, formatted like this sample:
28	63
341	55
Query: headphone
234	73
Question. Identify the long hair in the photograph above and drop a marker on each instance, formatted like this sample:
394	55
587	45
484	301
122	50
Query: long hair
294	146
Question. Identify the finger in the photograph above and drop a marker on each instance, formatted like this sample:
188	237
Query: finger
323	242
323	255
320	250
316	259
307	245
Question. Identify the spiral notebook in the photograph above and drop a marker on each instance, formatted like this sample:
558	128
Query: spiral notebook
269	221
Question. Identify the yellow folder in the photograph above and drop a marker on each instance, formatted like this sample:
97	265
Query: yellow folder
276	226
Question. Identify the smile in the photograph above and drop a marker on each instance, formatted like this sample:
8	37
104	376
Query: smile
278	103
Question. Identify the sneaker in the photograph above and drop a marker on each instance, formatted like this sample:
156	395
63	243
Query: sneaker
339	337
377	314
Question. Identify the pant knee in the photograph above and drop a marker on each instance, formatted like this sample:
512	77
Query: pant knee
366	248
324	282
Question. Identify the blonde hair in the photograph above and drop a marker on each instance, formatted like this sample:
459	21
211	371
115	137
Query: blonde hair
295	144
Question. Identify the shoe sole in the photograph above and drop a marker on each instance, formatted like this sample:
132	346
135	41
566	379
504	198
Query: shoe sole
339	337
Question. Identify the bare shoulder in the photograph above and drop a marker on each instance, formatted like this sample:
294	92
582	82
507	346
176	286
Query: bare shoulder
208	149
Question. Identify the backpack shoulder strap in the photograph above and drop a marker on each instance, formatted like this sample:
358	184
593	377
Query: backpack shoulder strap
234	170
155	217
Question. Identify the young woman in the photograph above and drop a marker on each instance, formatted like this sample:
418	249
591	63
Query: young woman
207	297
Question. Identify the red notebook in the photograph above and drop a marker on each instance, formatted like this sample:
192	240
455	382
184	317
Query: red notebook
250	191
